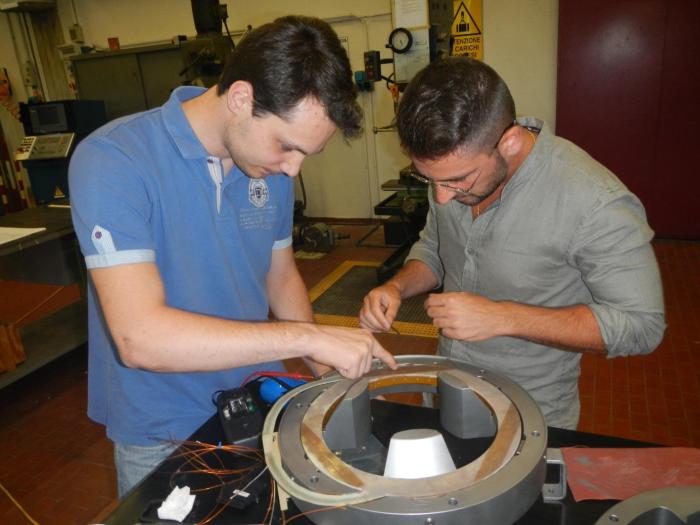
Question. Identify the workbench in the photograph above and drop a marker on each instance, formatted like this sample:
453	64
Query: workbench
42	283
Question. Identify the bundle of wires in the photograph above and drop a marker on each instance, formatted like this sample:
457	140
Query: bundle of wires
206	460
268	386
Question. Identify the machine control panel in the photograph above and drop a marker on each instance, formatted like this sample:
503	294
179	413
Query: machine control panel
43	147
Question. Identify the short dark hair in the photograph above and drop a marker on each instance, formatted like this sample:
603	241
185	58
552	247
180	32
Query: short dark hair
290	59
453	103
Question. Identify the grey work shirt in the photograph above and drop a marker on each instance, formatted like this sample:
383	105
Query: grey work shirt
565	231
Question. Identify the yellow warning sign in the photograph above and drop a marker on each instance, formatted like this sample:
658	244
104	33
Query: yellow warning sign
467	35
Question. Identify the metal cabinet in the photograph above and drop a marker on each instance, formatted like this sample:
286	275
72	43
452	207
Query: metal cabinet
129	80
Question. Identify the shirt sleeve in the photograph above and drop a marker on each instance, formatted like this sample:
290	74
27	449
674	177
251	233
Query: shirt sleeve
613	252
110	206
283	234
426	248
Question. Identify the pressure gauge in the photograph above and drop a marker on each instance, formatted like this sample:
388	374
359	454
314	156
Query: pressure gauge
400	40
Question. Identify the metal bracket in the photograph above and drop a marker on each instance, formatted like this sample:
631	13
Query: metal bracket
555	491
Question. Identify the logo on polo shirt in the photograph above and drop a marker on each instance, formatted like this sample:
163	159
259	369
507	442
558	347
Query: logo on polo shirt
258	193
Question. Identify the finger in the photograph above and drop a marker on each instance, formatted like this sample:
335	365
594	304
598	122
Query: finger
352	371
435	312
443	323
347	359
435	299
447	332
430	303
371	323
365	363
362	356
444	320
384	355
381	310
392	309
377	316
368	319
370	308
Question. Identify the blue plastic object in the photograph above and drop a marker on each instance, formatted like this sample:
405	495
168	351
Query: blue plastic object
272	388
362	83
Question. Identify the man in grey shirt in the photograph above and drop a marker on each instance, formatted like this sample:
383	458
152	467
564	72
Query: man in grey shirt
542	253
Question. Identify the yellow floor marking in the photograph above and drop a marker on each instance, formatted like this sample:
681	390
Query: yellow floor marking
404	328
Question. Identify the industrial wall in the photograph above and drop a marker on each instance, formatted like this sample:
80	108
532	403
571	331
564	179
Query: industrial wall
344	181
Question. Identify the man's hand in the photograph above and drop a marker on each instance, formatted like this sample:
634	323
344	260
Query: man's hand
468	317
379	308
349	350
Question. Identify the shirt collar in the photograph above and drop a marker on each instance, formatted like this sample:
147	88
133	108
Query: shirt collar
528	168
532	123
179	127
541	145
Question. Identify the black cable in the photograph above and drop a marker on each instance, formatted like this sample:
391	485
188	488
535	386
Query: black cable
228	33
360	241
223	15
198	57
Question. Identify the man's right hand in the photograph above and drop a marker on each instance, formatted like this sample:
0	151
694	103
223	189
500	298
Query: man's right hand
380	307
349	350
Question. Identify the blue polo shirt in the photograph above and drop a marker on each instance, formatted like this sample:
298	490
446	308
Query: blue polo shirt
144	189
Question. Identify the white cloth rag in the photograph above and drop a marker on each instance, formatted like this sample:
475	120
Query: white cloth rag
177	505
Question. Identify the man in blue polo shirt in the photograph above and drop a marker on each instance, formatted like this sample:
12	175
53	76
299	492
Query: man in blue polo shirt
184	215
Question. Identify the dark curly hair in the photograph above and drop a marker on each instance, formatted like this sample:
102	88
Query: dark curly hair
453	103
290	59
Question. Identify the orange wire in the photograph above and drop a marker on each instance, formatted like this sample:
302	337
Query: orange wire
194	453
271	504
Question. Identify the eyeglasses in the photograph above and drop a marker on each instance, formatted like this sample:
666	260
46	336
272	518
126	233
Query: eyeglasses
446	186
443	185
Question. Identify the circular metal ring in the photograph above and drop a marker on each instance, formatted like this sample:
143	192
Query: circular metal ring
498	487
673	505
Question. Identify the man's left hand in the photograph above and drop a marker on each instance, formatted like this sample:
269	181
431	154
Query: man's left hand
468	317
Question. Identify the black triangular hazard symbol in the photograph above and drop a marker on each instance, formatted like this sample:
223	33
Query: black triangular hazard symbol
463	23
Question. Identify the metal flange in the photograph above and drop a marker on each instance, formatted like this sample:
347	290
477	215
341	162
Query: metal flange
669	506
304	449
